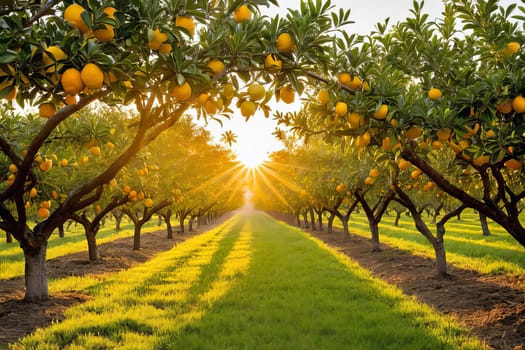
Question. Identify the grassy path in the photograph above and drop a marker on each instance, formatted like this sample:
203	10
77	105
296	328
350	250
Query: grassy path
251	283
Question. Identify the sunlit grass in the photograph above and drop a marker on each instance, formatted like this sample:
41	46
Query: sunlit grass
12	257
252	283
465	245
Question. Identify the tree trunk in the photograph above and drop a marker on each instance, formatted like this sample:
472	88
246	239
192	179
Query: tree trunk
330	223
159	222
169	228
190	223
320	219
297	220
398	217
484	224
181	222
345	226
8	237
36	274
91	237
312	219
305	220
136	237
118	220
61	231
374	229
441	258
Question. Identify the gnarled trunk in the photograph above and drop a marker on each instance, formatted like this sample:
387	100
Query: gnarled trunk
91	237
374	229
8	237
167	219
36	274
398	216
136	237
330	223
484	224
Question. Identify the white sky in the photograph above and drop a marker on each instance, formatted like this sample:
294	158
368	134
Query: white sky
254	138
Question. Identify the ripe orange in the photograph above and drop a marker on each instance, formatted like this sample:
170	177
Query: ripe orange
92	76
256	91
385	144
323	96
354	119
13	168
181	92
228	91
126	189
355	83
95	151
285	43
287	94
10	180
110	11
344	79
216	66
403	164
110	145
369	181
340	188
513	164
434	94
45	204
46	165
148	202
186	23
51	55
415	174
413	132
210	107
70	100
504	107
443	134
373	172
511	48
364	139
203	98
341	108
54	194
47	110
166	49
242	14
72	14
43	213
437	144
84	159
518	104
72	81
158	39
481	160
33	193
272	63
248	108
106	34
381	112
64	162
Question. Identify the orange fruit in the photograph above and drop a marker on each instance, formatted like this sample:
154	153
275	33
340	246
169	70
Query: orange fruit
355	83
256	91
437	144
518	104
43	213
242	13
158	39
369	181
434	94
443	134
354	119
385	144
72	81
203	98
46	165
413	132
54	194
341	108
513	164
511	48
13	168
95	151
403	164
216	66
481	160
210	107
364	139
51	55
247	108
166	49
28	205
10	180
415	174
323	96
45	204
381	112
186	23
373	172
33	193
273	63
64	162
344	78
181	92
84	159
92	76
287	94
285	43
228	91
72	14
148	202
47	110
70	100
504	107
340	188
105	34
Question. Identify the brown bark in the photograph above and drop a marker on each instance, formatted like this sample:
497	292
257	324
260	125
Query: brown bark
36	274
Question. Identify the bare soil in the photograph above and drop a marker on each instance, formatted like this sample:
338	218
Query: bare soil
493	307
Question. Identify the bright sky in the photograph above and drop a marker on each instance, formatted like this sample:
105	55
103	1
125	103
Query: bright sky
254	138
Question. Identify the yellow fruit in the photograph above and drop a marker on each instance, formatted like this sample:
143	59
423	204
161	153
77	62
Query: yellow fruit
216	66
437	144
47	110
186	23
72	81
158	39
52	54
106	34
323	97
132	194
46	165
341	108
355	83
13	168
84	159
511	48
434	94
28	205
518	104
287	94
443	134
110	145
273	63
54	194
43	213
181	92
92	76
344	78
481	160
415	174
210	107
513	164
285	43
340	188
413	132
505	107
403	164
45	204
381	112
203	98
33	193
228	91
373	172
72	14
10	180
256	92
242	14
148	202
63	162
110	11
166	49
95	151
369	181
70	100
364	139
247	108
354	119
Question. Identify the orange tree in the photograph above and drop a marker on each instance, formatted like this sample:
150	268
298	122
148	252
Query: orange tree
456	83
62	57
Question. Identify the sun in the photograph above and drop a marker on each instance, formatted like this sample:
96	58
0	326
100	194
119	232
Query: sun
252	158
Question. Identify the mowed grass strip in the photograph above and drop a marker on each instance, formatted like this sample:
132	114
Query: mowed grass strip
465	244
12	257
254	283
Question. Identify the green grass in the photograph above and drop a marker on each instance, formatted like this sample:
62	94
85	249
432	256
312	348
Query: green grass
12	257
465	245
251	283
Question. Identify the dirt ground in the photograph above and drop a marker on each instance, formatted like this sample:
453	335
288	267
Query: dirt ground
493	307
